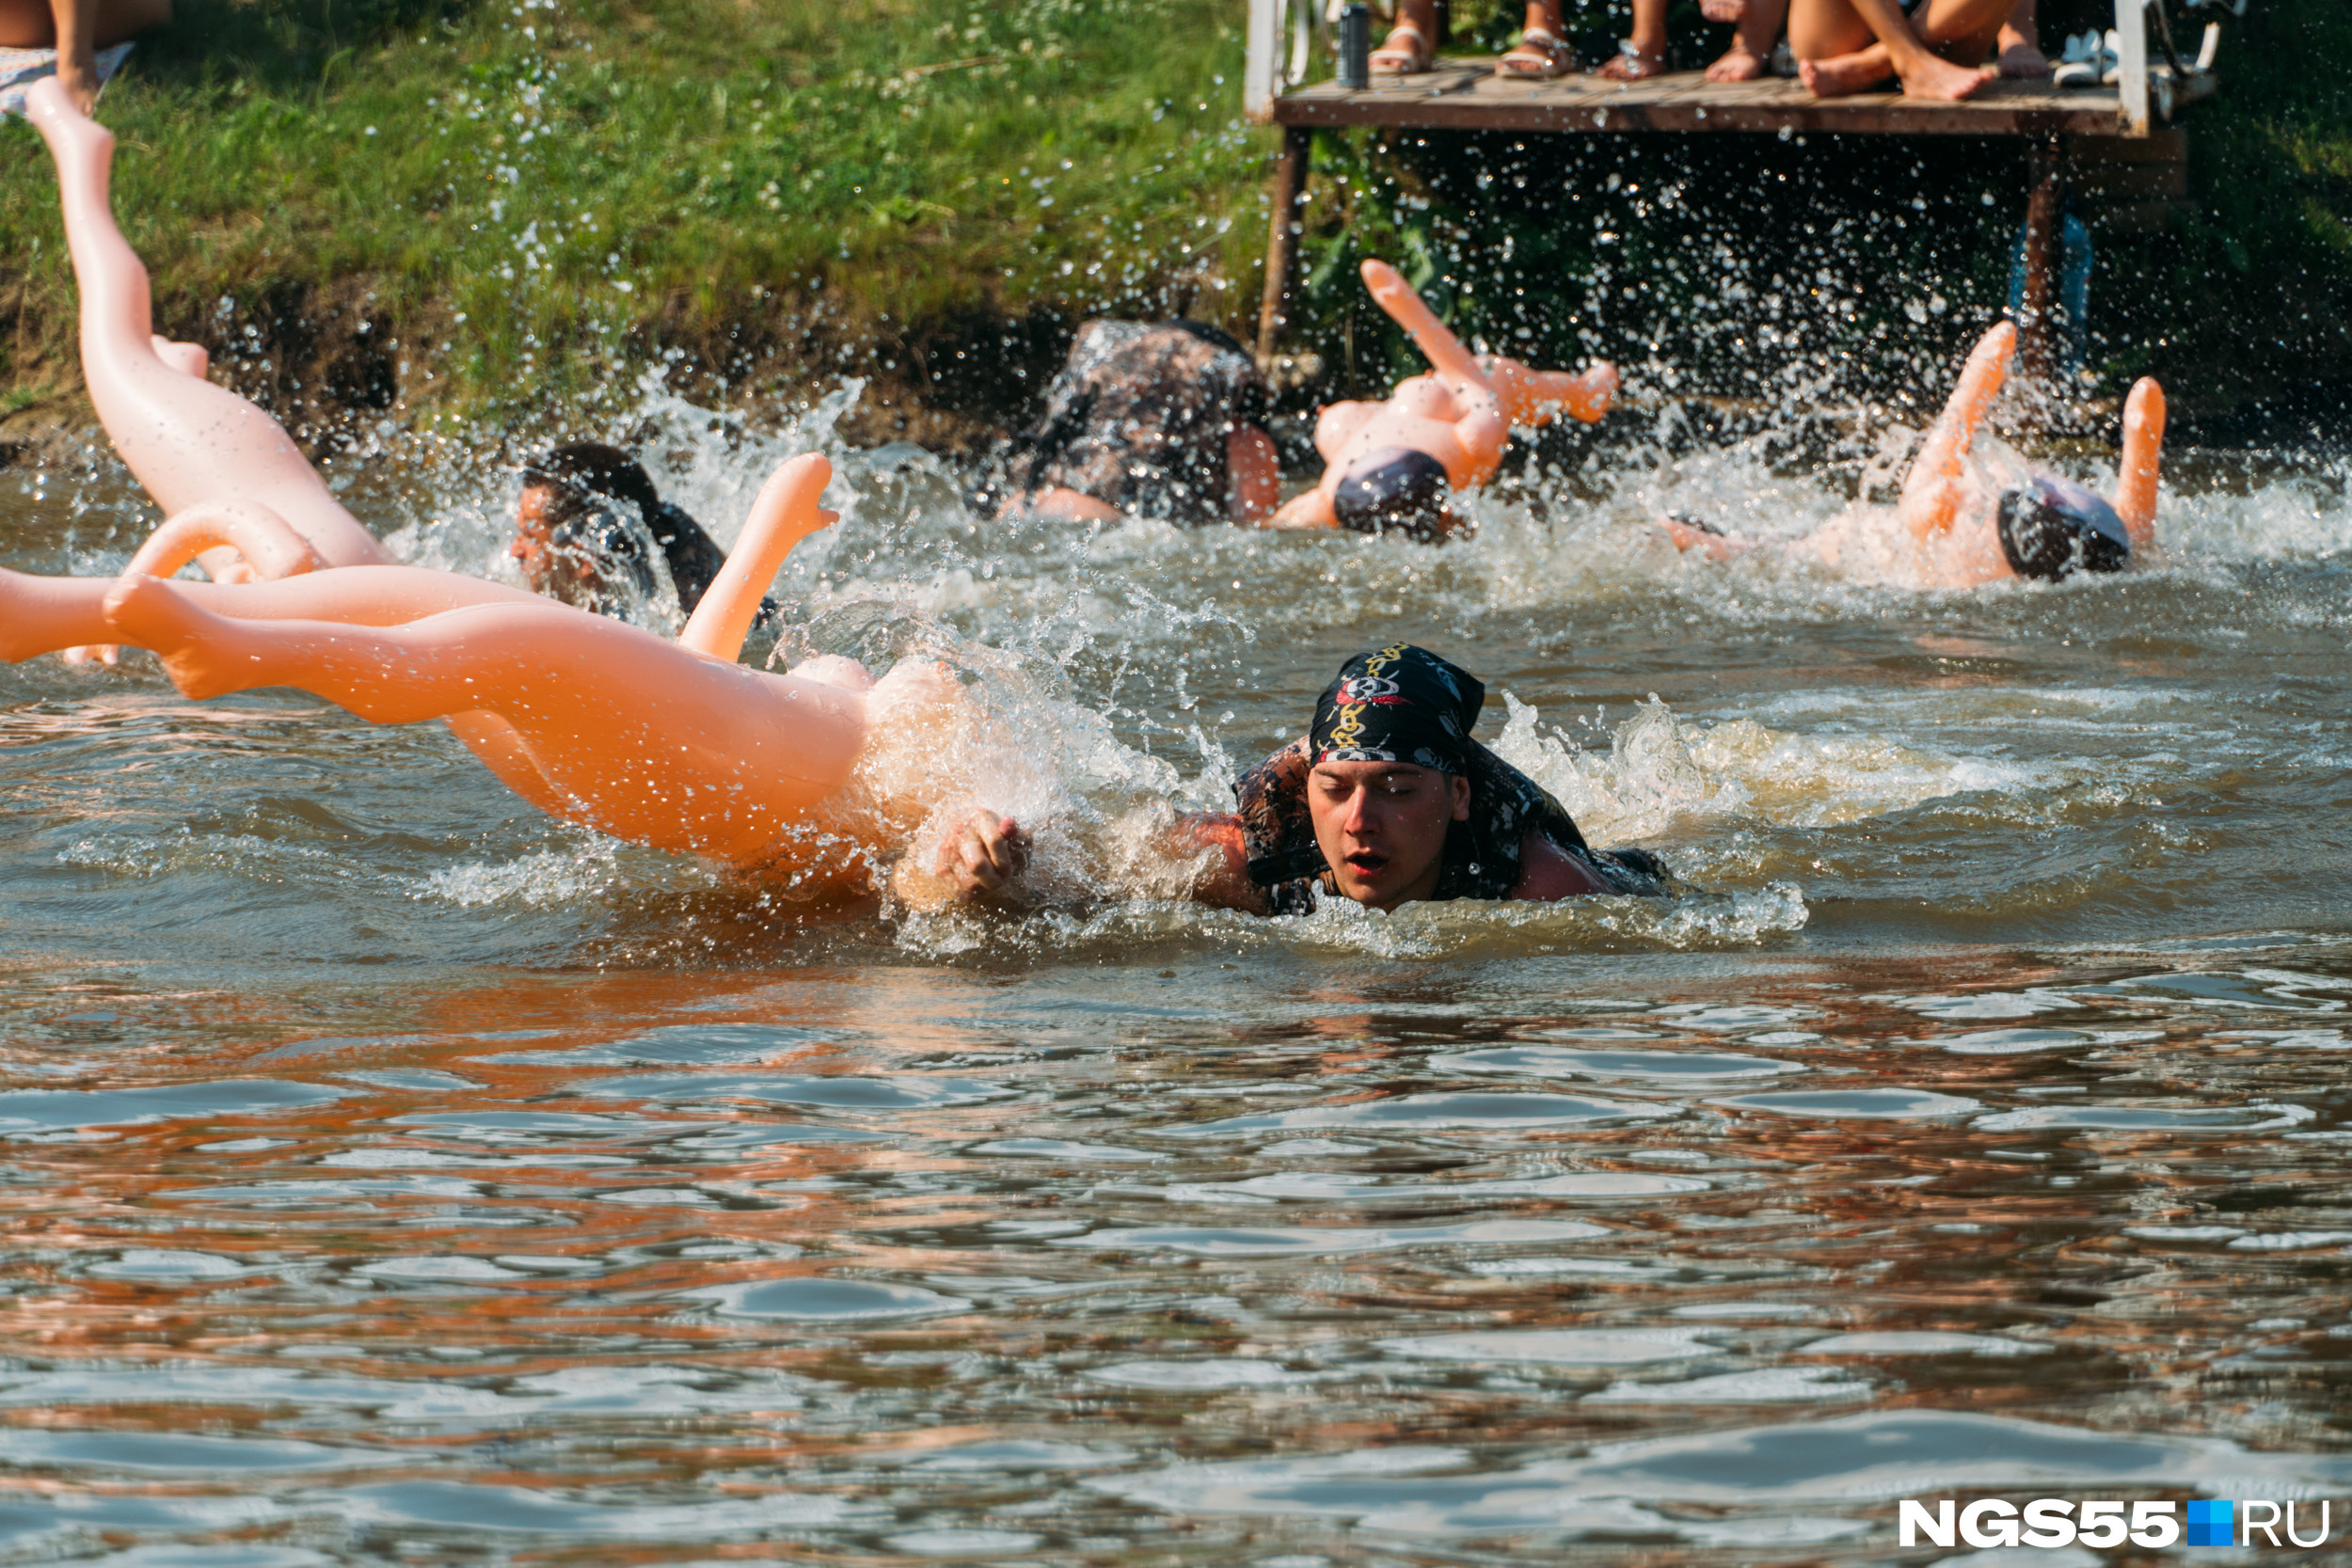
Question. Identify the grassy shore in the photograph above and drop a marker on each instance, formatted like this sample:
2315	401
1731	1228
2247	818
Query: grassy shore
539	196
425	205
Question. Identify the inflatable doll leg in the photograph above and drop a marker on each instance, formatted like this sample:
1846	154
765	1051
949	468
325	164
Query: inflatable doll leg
187	440
634	735
40	615
1931	491
2143	453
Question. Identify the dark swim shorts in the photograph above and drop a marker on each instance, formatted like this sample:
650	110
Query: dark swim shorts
1395	489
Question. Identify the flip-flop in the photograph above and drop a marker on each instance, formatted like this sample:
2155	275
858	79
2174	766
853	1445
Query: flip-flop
1630	65
1548	52
1383	60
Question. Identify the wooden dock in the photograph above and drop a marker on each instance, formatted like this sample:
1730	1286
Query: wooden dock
1466	95
2111	139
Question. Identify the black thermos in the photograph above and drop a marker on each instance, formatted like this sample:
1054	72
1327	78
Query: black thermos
1356	47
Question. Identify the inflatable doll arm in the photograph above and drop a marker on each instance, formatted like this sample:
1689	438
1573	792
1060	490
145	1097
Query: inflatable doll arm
1932	492
1435	339
270	548
784	514
2143	450
268	543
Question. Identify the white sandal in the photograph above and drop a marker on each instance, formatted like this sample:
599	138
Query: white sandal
1421	55
1558	59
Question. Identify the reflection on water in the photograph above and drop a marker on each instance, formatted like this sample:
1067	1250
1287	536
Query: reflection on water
396	1175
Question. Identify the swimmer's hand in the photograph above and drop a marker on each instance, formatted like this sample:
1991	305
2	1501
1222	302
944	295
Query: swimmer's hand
983	854
978	857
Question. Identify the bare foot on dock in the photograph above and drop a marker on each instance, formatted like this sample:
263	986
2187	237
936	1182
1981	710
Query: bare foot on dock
1937	78
1738	64
200	649
189	359
1842	75
1931	77
1632	64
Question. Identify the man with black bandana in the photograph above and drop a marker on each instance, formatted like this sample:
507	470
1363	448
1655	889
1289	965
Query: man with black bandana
1386	801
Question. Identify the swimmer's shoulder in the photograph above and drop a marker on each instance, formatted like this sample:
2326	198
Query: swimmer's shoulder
1550	872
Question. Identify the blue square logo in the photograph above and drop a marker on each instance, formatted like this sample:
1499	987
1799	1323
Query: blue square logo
2209	1524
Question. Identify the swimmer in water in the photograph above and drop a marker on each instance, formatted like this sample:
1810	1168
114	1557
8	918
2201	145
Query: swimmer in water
1392	466
582	526
1146	419
813	773
670	744
1386	801
1958	524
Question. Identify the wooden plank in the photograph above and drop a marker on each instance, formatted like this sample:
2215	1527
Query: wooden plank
1467	95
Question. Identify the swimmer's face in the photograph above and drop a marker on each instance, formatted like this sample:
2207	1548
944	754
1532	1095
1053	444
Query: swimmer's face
1382	826
547	567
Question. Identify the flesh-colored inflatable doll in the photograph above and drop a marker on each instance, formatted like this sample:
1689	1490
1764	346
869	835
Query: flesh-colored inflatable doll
669	744
1392	464
1958	524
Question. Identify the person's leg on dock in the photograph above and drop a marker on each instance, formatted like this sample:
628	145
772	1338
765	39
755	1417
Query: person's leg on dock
2017	52
77	29
1643	54
188	441
1755	27
1543	52
1849	46
1411	46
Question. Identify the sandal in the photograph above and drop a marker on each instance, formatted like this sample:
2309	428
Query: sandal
1538	57
2085	63
1389	61
1631	65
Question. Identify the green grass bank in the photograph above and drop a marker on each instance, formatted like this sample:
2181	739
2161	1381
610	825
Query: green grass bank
484	205
415	207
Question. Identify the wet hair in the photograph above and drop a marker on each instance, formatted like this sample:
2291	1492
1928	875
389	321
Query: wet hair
1396	490
2052	528
580	473
592	489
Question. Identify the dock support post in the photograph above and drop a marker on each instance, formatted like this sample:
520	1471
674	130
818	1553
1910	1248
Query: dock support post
2046	208
1281	250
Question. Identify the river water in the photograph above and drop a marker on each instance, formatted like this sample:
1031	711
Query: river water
395	1176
